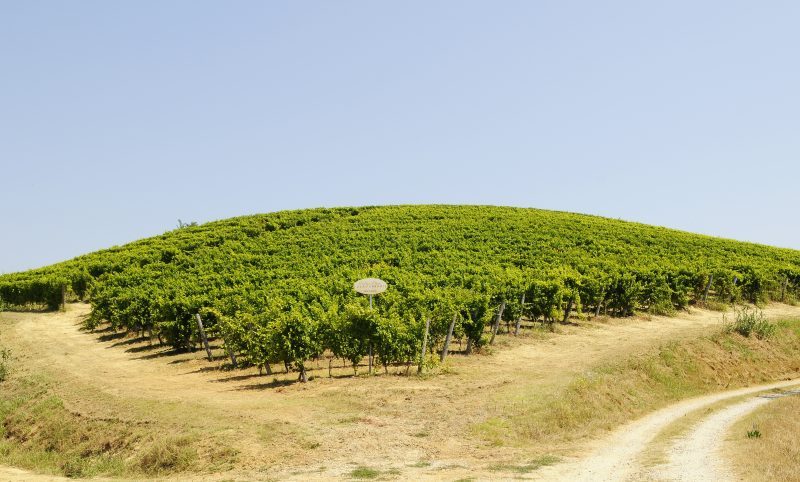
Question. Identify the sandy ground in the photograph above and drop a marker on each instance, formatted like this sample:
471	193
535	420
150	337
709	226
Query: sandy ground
10	474
419	427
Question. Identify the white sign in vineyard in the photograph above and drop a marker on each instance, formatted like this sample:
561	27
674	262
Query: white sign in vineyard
370	286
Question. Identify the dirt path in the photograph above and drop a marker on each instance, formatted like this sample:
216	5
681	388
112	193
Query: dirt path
692	456
121	366
382	421
695	456
10	474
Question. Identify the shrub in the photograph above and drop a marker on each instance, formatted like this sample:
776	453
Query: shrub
5	355
362	472
714	305
751	321
663	308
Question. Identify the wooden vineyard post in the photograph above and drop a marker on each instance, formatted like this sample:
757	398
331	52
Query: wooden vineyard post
519	318
599	304
708	287
232	355
468	350
370	358
424	344
568	310
497	322
203	335
448	337
783	289
63	297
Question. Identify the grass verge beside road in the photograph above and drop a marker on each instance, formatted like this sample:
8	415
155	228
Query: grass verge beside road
772	449
610	395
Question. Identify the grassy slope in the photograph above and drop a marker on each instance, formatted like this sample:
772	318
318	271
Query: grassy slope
614	393
775	455
40	432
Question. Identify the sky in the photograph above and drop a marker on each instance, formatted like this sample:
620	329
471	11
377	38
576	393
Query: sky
119	118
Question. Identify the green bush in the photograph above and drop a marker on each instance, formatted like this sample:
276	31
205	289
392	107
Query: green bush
364	473
752	321
662	308
5	356
754	433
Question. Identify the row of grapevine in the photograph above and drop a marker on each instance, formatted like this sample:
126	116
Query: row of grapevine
277	288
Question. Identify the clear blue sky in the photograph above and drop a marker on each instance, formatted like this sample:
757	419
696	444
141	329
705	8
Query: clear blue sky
118	118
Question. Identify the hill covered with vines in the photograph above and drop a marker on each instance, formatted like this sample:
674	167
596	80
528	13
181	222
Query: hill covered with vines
279	287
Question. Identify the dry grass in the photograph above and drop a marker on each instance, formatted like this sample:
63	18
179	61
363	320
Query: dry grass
611	394
38	432
41	432
536	395
775	455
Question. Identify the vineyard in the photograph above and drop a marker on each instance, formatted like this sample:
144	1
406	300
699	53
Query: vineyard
278	288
